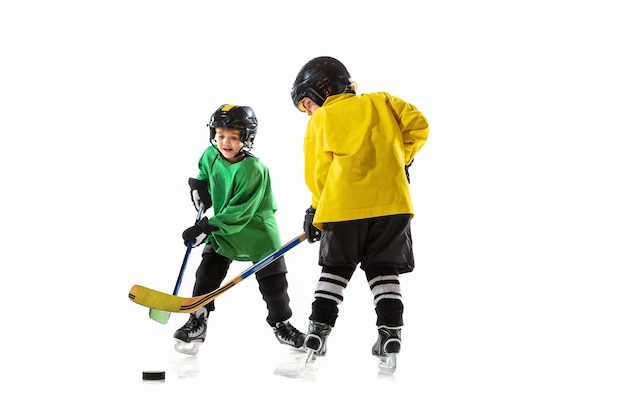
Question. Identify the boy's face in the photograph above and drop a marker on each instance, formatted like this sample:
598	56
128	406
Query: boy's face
309	105
229	143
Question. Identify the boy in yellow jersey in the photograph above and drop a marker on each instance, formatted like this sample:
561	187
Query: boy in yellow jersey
357	150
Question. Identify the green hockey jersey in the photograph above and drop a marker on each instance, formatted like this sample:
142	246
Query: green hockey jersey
243	206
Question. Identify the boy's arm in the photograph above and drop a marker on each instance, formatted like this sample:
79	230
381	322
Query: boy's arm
414	127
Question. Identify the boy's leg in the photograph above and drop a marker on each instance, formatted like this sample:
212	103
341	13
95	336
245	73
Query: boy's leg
273	287
388	254
325	308
209	276
389	317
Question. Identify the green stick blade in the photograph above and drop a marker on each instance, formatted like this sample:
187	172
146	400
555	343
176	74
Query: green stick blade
159	315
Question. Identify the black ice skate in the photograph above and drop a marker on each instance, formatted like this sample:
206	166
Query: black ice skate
288	335
387	347
315	340
190	337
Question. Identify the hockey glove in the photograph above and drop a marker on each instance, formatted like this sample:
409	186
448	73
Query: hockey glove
198	233
406	171
313	234
200	195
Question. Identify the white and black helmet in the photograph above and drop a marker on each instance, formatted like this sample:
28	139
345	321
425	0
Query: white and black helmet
232	116
319	78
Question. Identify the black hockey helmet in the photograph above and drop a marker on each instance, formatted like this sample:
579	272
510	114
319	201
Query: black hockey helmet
319	78
232	116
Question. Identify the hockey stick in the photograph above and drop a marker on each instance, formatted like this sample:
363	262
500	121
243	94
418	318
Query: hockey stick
175	304
164	316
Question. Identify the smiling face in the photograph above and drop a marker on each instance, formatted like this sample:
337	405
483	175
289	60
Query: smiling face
229	143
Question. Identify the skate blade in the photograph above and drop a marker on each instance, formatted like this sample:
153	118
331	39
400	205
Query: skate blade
311	356
387	364
191	348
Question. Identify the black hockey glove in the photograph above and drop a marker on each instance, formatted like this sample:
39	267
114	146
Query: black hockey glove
200	195
313	234
198	233
406	171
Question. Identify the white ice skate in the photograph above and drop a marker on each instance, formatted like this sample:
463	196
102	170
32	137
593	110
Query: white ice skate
190	337
387	348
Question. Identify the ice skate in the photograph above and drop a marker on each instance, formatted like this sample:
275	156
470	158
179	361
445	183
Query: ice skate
288	335
190	337
315	341
387	348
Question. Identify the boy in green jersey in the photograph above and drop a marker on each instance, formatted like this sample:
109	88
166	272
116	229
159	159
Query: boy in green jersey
243	227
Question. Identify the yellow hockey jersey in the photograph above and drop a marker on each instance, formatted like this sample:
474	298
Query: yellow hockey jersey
356	148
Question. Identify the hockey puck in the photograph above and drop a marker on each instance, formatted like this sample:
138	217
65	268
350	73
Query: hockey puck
153	375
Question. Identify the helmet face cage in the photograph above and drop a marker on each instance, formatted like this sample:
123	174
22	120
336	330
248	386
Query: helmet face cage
232	116
319	78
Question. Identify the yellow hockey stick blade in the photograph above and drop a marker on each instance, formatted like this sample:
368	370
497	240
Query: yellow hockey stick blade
163	302
155	299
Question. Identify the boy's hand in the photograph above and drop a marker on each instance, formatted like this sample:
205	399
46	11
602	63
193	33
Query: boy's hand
198	233
200	195
313	234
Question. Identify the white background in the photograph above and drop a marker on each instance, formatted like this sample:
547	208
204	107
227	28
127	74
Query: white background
516	305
